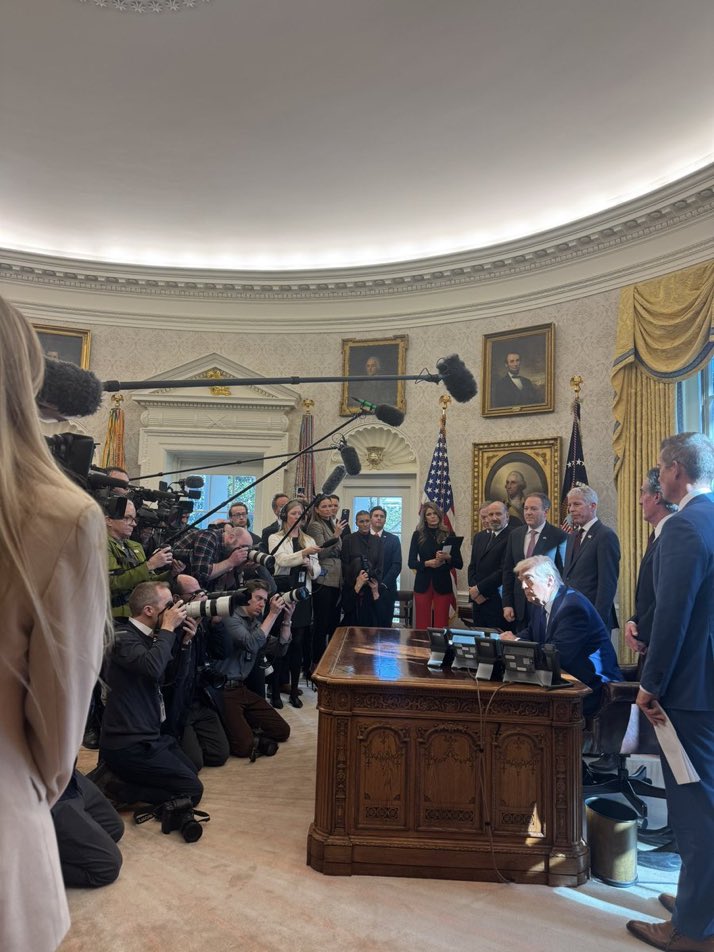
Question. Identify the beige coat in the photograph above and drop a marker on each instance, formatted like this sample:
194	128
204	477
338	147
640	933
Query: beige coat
44	698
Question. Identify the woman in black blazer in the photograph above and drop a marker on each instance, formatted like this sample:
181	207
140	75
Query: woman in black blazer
432	585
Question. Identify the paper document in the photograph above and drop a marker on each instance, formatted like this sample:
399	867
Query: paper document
677	758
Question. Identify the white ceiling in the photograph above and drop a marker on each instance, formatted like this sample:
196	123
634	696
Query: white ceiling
283	134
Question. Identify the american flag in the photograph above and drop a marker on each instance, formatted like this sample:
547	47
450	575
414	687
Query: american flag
437	488
575	472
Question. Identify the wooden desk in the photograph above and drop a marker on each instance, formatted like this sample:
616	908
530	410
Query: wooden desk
435	775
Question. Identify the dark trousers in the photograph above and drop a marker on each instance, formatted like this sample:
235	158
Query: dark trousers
385	607
88	829
325	618
287	668
154	771
204	740
244	713
691	816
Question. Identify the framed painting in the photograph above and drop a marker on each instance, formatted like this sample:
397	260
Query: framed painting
518	371
370	358
510	470
65	343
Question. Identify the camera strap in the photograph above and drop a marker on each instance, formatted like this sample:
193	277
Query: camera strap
141	817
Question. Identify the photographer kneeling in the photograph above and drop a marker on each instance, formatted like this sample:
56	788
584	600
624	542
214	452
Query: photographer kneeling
152	767
245	637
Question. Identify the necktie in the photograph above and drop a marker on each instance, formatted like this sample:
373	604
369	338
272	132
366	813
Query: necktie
650	539
578	540
531	543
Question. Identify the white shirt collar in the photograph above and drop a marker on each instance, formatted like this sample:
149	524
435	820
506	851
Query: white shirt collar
688	498
144	629
588	526
658	527
378	534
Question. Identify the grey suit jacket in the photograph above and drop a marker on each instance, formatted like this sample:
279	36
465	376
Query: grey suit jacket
595	569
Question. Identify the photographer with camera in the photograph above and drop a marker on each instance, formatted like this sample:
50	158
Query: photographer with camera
151	767
191	713
297	565
362	572
128	564
240	640
216	555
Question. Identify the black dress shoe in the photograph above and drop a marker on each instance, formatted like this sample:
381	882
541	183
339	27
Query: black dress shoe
276	702
608	763
295	700
91	739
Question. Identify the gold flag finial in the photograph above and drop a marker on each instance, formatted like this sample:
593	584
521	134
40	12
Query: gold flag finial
576	383
307	405
117	398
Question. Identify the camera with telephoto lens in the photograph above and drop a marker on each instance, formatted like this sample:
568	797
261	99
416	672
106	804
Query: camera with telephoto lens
178	815
218	604
295	595
261	558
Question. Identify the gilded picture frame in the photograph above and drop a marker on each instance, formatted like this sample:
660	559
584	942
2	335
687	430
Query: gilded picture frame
65	343
384	355
536	464
530	351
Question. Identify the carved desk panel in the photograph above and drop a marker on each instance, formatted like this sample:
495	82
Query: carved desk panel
432	774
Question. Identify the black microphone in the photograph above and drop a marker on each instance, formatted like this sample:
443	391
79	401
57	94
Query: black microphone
69	390
328	543
334	480
350	459
384	412
457	378
193	482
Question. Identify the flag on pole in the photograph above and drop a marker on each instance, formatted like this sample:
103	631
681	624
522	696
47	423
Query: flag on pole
113	452
305	467
437	488
575	472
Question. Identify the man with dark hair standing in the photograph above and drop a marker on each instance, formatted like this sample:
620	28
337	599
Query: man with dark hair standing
152	767
239	519
279	500
536	537
391	566
677	683
656	510
592	555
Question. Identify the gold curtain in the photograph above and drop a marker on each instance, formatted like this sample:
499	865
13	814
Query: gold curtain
664	334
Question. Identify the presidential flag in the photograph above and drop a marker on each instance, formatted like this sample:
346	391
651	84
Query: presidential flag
575	472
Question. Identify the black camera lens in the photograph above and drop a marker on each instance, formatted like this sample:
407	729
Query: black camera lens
191	830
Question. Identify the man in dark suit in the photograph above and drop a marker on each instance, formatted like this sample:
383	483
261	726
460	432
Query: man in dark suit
391	566
536	537
513	390
592	555
656	510
677	682
564	618
485	571
279	500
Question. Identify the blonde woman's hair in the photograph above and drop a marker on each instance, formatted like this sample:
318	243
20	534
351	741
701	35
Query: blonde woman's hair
26	463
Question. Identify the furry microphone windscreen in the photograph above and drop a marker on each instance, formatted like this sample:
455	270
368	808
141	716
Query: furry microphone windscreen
458	379
71	391
334	480
389	414
350	459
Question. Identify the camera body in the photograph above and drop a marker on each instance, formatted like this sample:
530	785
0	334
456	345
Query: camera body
366	566
178	815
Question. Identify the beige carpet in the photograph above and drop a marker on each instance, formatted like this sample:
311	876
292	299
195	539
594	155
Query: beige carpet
245	886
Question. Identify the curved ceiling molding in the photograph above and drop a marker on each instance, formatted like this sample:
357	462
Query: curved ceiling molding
380	448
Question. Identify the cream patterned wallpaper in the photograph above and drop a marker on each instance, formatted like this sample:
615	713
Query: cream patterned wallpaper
584	335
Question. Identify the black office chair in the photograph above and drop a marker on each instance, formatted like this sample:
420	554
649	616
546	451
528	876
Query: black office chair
607	730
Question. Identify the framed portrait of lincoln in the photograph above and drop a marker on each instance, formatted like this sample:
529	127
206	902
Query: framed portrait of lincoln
518	368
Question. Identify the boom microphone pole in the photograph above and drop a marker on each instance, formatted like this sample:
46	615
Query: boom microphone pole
232	462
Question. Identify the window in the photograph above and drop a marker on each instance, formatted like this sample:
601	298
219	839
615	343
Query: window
695	403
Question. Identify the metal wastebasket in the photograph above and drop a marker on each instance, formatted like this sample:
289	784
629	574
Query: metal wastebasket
612	838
